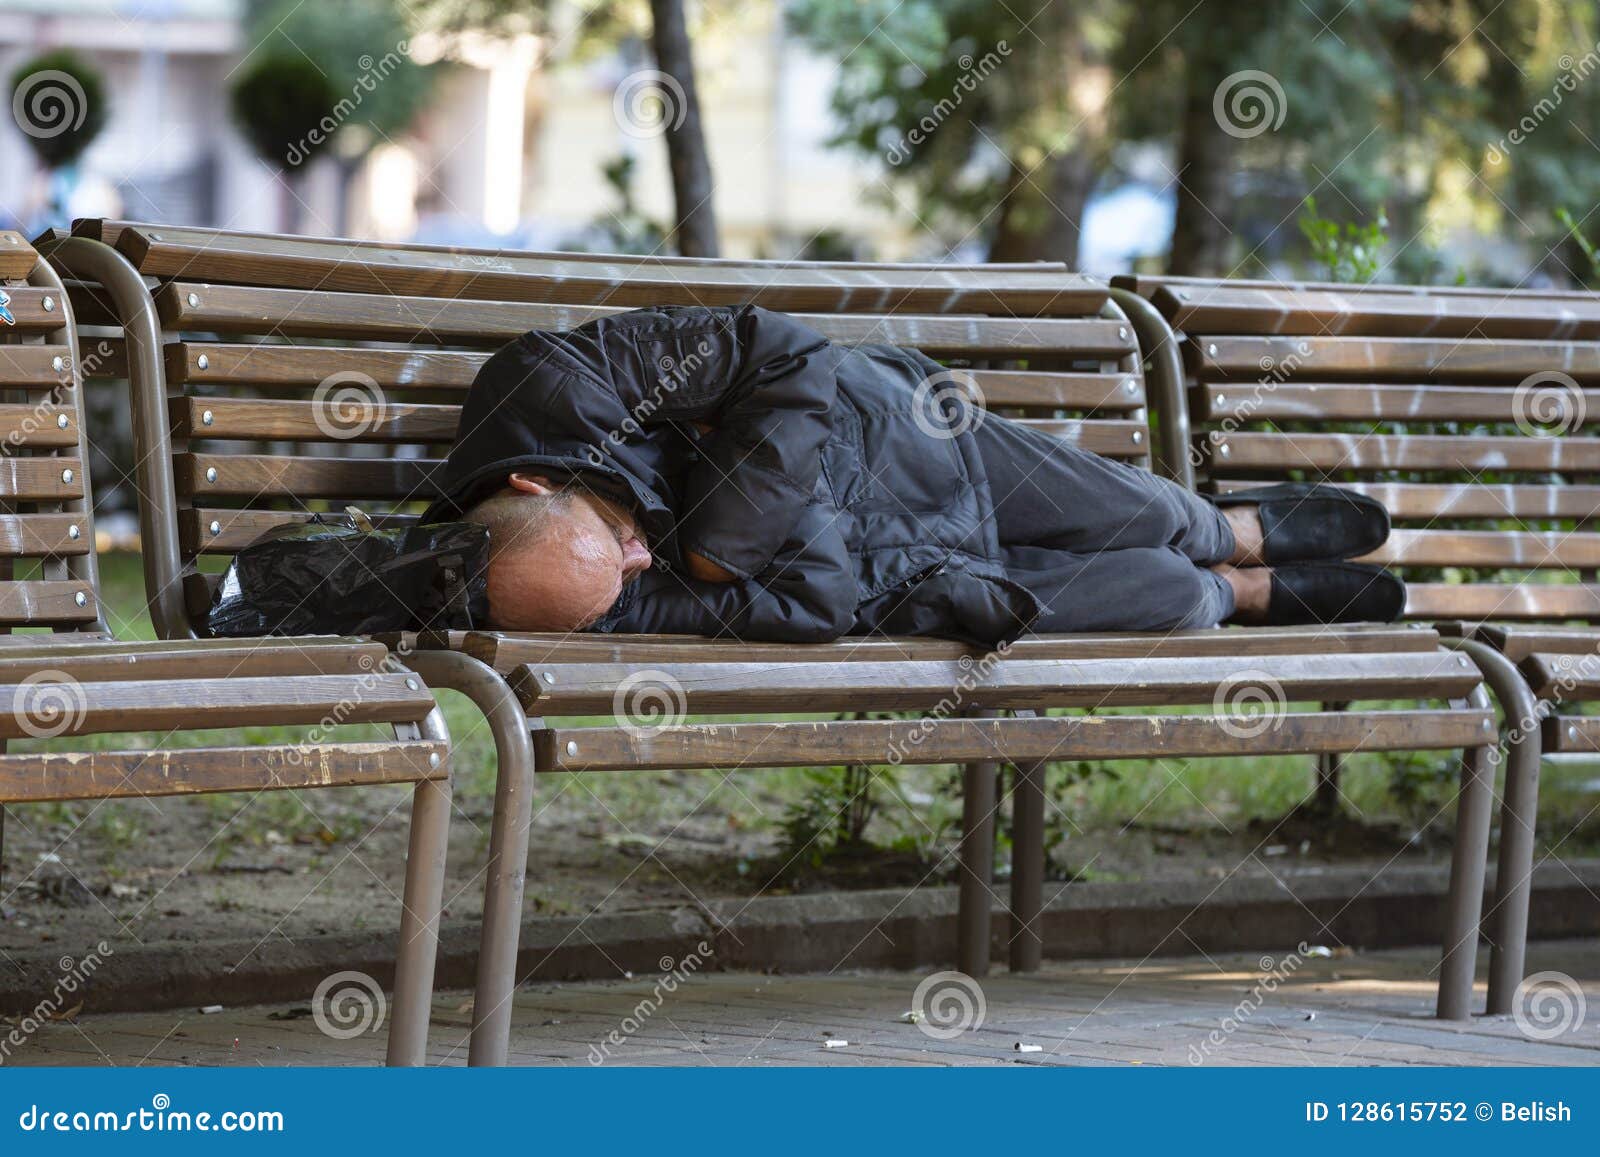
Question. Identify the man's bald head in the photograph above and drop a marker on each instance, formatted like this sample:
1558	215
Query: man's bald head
558	557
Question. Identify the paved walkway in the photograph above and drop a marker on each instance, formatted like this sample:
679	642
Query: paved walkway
1261	1009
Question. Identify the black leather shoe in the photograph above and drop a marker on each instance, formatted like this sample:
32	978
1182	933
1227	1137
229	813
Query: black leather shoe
1334	592
1308	522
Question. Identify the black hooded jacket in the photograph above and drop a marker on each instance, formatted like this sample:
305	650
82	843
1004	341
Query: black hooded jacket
842	486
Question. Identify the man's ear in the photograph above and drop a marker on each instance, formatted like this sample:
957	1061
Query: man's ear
530	483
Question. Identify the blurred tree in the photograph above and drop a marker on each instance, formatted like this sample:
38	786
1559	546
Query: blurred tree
994	114
369	86
59	103
696	227
279	103
581	26
1403	104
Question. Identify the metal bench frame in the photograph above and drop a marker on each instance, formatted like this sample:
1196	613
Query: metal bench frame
104	686
1186	325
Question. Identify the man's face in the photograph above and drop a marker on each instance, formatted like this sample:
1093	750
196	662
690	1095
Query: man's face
572	569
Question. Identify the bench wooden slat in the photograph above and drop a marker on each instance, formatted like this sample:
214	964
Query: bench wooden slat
1518	601
25	425
390	369
236	658
17	257
1245	450
237	529
1336	402
155	705
897	741
1285	358
41	479
33	367
1489	548
506	651
45	602
1147	285
580	689
1107	438
110	230
1570	734
632	282
312	313
27	309
45	535
292	420
1436	500
259	476
1226	308
43	776
1518	642
1562	676
269	365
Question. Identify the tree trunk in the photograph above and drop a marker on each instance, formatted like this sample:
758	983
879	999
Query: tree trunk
1203	228
1072	177
695	228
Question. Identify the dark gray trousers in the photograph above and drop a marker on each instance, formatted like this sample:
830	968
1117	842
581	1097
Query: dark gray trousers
1103	545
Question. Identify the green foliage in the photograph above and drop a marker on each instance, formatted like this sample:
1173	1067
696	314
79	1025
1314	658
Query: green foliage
624	229
1349	252
371	88
831	815
279	103
1579	238
60	103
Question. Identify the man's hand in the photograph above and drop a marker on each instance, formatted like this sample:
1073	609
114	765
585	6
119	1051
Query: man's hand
705	570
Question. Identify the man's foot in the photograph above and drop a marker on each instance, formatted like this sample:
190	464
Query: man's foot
1333	592
1304	522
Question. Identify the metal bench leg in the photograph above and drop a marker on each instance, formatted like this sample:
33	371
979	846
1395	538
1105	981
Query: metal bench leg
421	904
1513	880
1027	867
977	863
1468	865
508	842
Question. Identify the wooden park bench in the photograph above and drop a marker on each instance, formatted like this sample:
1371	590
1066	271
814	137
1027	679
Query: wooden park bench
230	337
64	676
1463	410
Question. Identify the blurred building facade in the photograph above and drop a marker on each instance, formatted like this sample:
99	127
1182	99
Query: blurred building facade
510	149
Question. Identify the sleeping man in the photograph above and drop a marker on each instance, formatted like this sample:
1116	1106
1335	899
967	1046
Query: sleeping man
730	472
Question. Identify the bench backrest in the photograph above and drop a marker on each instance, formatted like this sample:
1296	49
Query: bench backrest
305	374
48	576
1470	412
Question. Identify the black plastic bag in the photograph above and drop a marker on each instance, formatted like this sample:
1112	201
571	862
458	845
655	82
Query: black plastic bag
333	576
